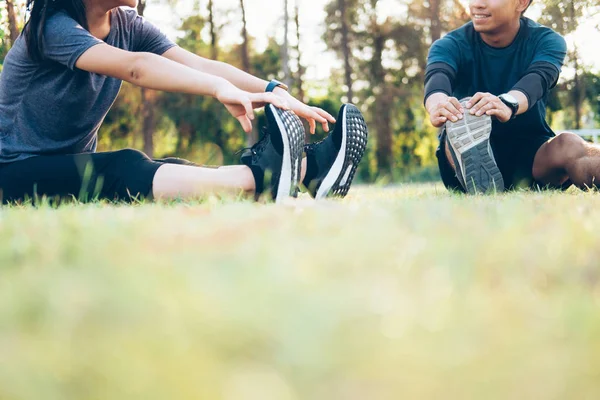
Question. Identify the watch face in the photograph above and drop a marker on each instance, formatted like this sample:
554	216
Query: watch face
510	98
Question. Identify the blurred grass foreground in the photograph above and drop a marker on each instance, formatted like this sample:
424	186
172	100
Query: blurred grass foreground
399	293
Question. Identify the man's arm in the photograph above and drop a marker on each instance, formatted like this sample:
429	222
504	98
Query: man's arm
443	62
541	76
249	83
537	82
441	107
487	103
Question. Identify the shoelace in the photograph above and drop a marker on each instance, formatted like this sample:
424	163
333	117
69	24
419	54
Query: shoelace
259	146
312	147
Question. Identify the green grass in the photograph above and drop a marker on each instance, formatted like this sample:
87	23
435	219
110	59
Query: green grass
402	293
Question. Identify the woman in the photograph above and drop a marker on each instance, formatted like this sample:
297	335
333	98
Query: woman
63	74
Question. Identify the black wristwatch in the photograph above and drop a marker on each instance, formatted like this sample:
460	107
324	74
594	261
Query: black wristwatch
511	103
276	84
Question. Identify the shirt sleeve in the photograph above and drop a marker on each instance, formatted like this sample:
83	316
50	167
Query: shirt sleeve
445	50
551	49
148	38
65	40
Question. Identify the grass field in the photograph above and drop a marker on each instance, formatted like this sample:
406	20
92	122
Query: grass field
400	293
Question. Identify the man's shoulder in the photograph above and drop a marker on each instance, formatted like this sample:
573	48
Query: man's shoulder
537	31
462	34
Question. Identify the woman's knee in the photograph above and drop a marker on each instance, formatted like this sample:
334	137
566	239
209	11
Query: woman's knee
128	156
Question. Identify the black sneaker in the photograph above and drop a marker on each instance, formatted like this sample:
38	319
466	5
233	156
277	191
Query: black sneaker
276	159
332	162
469	144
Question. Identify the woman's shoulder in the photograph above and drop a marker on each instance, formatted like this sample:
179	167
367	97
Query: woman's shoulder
125	16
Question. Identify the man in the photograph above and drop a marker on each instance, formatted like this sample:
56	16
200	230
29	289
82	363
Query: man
502	66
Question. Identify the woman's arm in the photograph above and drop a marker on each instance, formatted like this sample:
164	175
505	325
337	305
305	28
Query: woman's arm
148	70
236	76
248	83
155	72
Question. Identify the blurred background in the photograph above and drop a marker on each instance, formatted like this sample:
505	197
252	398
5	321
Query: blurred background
369	52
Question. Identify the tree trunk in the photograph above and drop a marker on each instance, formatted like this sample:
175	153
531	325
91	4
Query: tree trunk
252	137
301	68
148	121
436	26
147	106
12	21
141	7
346	50
214	44
578	90
285	55
244	48
382	105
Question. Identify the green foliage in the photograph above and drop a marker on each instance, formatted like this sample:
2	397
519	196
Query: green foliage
564	15
388	59
4	45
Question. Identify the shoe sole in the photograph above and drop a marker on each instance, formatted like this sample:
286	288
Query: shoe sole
338	180
292	134
469	140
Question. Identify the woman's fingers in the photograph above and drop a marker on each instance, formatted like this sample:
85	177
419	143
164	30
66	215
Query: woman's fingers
324	114
245	122
271	98
312	125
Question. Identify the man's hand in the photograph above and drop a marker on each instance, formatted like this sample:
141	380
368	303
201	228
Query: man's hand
241	104
311	114
442	109
486	103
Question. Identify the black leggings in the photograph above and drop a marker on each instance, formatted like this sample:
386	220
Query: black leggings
123	175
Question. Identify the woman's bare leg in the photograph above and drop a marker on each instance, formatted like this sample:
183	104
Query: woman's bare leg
173	181
303	168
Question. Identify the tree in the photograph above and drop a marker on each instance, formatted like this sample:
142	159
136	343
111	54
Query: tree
244	47
285	48
13	27
301	68
147	105
341	18
564	17
214	40
245	56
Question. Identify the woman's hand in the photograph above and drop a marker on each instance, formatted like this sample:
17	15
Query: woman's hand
241	104
311	114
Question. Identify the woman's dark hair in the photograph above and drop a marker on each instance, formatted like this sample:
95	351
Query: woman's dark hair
39	12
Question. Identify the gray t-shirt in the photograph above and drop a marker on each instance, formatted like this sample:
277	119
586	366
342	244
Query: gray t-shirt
54	108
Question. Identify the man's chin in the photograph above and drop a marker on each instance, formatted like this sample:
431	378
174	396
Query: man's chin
482	28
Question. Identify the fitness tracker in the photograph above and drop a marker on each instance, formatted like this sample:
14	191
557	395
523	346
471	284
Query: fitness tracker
275	84
511	103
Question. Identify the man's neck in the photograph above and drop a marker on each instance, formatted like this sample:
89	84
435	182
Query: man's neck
504	37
